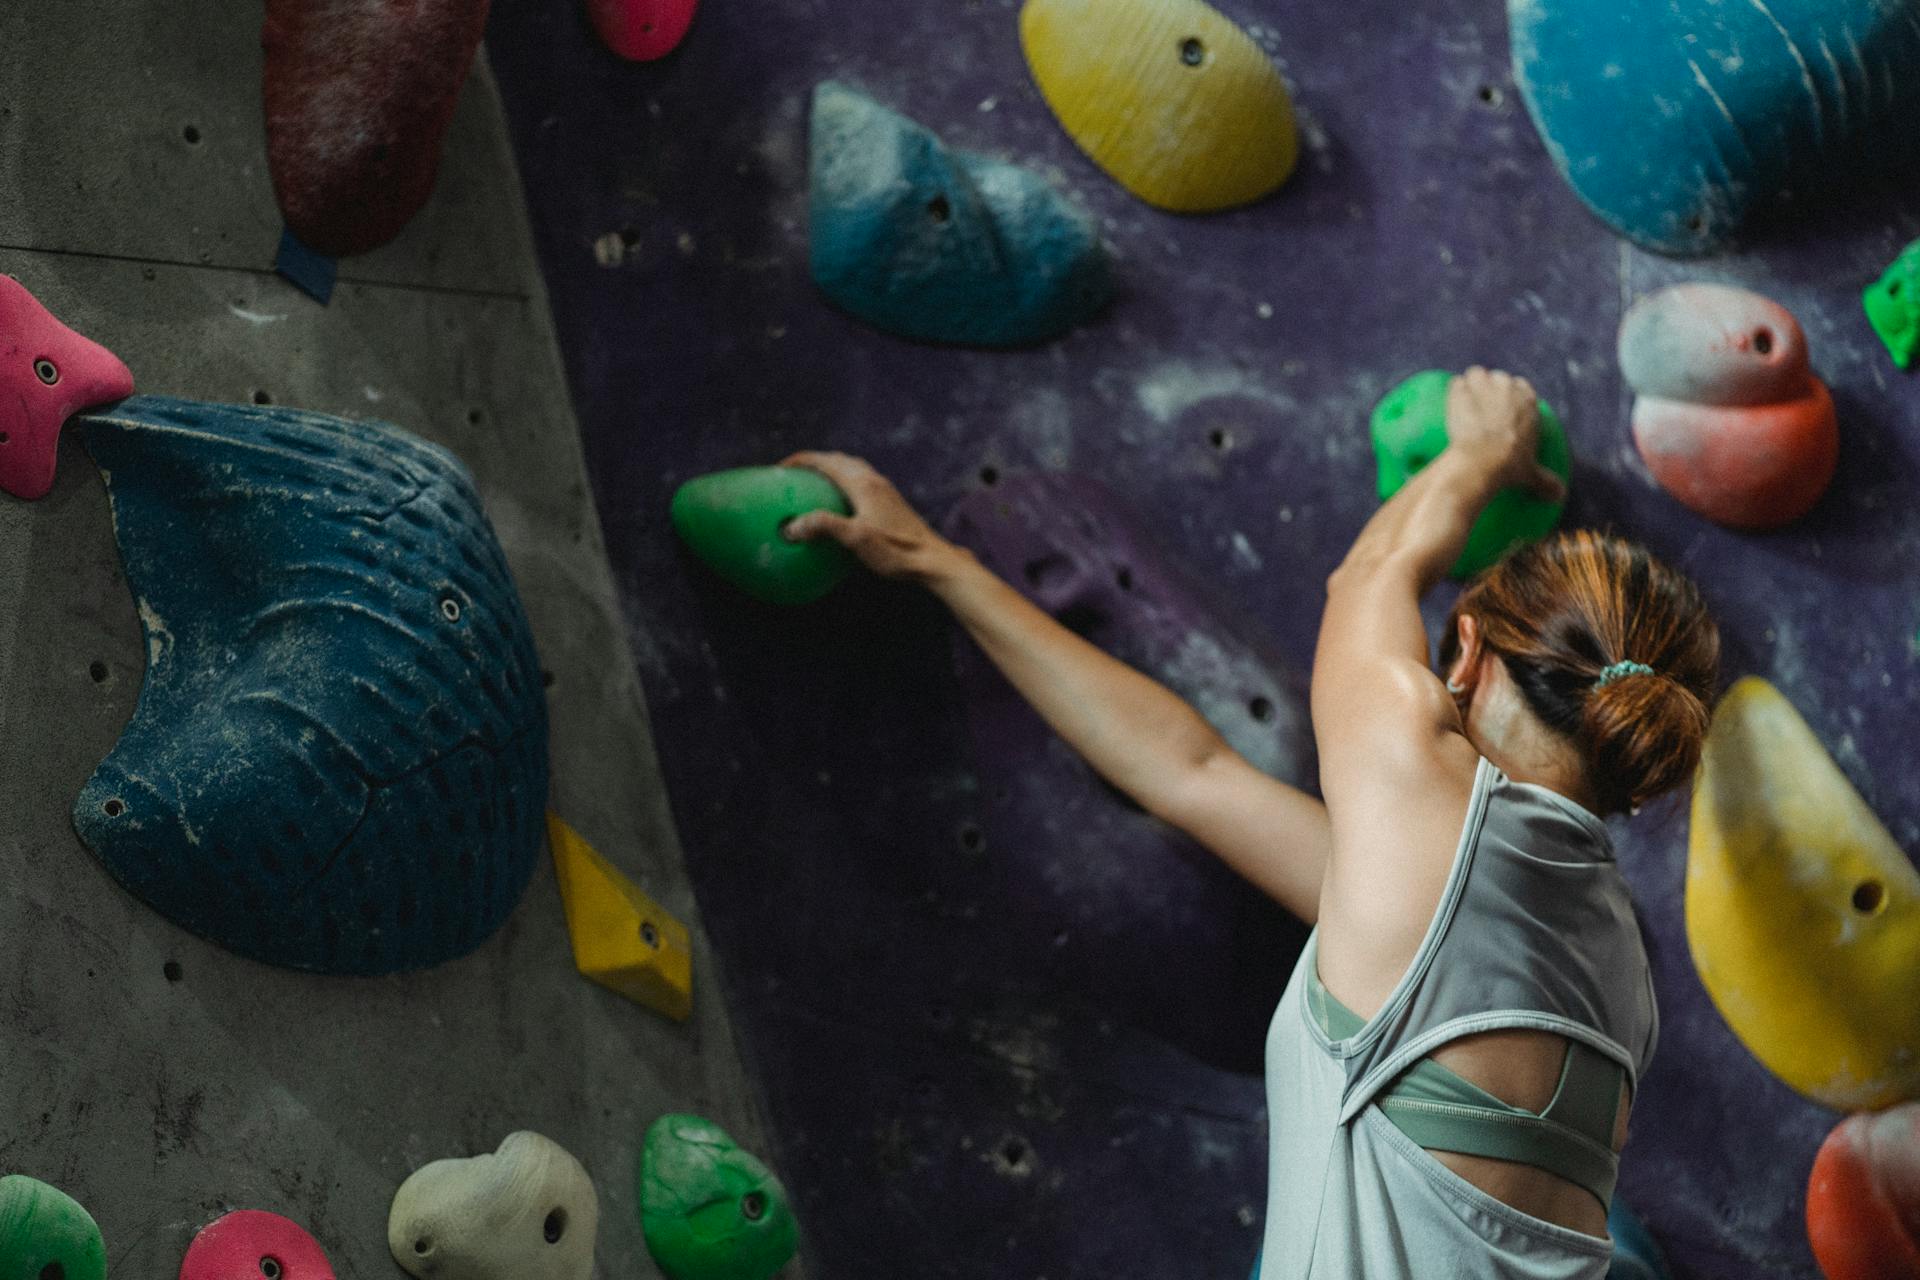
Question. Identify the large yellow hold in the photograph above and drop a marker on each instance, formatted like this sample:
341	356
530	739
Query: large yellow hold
1802	913
1172	99
622	939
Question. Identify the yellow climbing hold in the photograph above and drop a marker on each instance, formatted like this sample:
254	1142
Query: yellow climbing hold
622	939
1172	99
1803	915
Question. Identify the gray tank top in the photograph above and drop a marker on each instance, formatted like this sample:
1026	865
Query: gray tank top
1534	929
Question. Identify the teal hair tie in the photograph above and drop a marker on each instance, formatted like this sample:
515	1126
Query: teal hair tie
1621	670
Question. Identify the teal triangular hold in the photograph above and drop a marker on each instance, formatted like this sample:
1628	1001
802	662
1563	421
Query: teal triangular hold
735	522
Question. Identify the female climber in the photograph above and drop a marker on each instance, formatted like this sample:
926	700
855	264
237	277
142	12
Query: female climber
1450	1070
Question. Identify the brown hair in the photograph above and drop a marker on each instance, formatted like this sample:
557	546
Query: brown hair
1563	611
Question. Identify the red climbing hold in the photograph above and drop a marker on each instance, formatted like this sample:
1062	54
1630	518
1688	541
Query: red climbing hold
1730	419
252	1244
48	373
359	94
642	30
1863	1200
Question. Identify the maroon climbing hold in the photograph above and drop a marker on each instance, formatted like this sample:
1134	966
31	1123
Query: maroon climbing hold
252	1244
359	94
642	30
48	373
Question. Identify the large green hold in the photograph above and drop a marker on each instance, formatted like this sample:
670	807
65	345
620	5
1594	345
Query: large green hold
1410	430
735	521
1893	306
709	1210
46	1235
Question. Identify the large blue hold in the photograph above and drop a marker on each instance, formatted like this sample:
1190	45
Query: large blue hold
339	757
1672	119
943	245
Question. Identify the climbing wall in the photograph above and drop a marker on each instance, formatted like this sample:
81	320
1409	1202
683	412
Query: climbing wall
954	1090
155	1077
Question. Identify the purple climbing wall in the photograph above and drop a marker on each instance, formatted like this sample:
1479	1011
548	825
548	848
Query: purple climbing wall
952	1094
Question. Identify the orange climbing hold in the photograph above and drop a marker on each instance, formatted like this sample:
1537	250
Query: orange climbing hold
1863	1199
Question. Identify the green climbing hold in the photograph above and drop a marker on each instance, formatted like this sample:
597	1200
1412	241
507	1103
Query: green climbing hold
1410	430
1893	306
735	520
709	1210
46	1235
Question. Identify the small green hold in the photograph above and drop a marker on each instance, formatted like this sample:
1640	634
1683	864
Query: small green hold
1410	430
1893	306
735	521
709	1210
46	1235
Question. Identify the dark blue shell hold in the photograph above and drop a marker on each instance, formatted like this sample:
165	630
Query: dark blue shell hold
339	757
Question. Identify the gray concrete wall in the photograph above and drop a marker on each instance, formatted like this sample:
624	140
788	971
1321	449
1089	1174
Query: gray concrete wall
134	201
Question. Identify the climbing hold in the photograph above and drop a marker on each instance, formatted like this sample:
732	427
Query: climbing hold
1893	306
1410	430
1155	929
252	1244
622	939
709	1210
526	1212
339	757
1803	915
642	30
735	521
1730	419
46	1235
1674	121
358	96
48	373
1863	1198
940	245
1173	100
1636	1255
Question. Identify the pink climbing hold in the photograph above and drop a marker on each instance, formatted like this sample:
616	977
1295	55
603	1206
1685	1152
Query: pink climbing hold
48	373
1730	419
252	1244
358	96
642	30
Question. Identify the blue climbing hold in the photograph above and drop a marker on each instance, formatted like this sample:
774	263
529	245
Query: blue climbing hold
1673	120
943	245
338	761
1635	1254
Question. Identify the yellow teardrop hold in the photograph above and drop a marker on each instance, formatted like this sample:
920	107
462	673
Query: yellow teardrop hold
1803	915
622	939
1173	100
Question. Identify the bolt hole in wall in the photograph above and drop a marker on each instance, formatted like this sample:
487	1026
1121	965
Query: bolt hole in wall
192	134
474	417
171	971
1491	95
1123	578
1015	1155
1220	438
972	838
261	397
96	670
989	475
555	1226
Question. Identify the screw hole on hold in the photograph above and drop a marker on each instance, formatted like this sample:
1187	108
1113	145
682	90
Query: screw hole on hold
1869	896
171	971
424	1245
649	934
53	1271
450	609
97	671
1193	51
753	1206
646	28
555	1226
46	370
261	397
1696	223
1014	1154
1261	709
938	209
1763	341
989	475
1220	439
192	134
1893	290
270	1267
4	437
972	838
113	808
